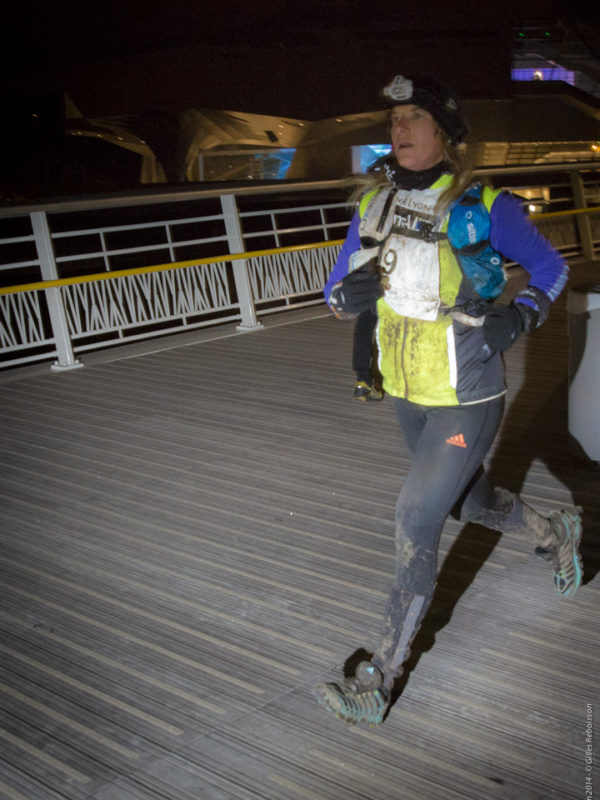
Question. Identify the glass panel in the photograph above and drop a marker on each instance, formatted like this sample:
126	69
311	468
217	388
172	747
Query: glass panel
369	153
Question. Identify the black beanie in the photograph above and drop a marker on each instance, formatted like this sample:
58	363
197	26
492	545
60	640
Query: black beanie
432	96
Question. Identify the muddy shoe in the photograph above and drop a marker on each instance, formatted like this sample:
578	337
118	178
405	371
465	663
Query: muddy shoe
357	700
564	557
363	392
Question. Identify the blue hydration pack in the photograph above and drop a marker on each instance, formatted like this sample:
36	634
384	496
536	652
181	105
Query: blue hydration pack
468	234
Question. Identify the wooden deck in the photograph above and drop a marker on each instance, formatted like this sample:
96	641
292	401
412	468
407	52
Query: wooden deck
191	538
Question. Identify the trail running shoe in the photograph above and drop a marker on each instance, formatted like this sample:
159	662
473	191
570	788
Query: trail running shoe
358	700
564	556
364	392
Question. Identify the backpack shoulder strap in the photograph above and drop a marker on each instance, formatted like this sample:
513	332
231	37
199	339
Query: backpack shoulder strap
469	235
469	223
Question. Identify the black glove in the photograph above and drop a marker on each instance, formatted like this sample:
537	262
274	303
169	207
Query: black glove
540	301
504	324
358	292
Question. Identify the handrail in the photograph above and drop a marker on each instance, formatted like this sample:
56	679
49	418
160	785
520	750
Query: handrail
123	273
146	197
61	317
186	192
569	212
528	169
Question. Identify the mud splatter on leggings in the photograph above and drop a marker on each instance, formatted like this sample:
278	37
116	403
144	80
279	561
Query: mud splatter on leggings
448	445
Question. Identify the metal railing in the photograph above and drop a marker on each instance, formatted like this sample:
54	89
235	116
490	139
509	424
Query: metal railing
97	272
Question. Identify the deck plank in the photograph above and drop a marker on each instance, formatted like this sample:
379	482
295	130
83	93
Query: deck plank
193	536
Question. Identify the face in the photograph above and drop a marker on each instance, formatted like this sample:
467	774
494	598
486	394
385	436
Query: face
416	138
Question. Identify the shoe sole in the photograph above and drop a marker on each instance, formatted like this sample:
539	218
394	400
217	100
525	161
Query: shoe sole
321	692
573	526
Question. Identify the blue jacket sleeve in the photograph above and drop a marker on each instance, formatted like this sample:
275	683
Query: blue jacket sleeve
516	237
351	245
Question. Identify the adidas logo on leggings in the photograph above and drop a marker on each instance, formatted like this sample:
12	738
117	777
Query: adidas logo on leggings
457	441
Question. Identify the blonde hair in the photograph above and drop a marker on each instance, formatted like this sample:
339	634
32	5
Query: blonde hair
457	159
460	165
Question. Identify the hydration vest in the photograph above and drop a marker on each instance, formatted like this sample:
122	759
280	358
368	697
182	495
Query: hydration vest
468	234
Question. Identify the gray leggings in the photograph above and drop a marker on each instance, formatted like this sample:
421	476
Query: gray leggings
448	446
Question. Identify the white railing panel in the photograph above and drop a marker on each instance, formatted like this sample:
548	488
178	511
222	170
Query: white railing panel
22	321
136	300
300	272
106	312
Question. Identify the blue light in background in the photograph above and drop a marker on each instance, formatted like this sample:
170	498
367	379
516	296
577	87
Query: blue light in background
274	166
543	74
369	153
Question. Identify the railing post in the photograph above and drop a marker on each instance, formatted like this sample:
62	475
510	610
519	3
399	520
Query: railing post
56	309
584	227
235	241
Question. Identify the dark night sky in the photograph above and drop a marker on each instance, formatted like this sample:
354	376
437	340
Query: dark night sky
146	61
301	59
71	30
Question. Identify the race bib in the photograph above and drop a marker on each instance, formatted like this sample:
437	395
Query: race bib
412	276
